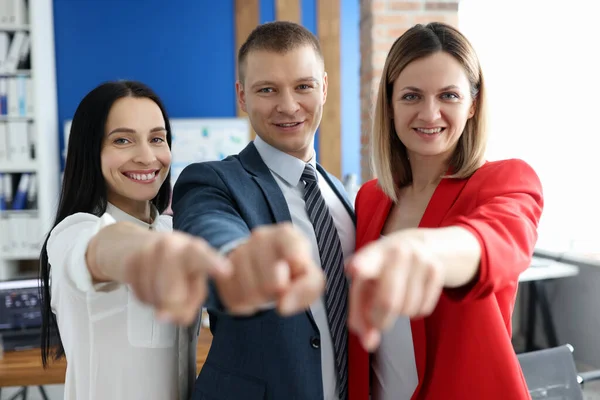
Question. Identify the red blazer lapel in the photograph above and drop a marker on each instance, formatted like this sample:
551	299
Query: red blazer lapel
441	201
375	208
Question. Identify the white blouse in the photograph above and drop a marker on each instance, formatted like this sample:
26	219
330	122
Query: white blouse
393	367
115	348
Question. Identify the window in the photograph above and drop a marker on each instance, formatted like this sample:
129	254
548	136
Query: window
543	84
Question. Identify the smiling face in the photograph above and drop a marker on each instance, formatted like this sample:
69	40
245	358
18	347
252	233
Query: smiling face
284	95
135	155
431	104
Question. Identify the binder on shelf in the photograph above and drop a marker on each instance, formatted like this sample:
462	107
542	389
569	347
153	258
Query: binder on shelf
4	46
19	146
3	142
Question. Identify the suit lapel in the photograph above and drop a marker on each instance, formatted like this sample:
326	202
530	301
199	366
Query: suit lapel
441	201
253	163
382	206
339	191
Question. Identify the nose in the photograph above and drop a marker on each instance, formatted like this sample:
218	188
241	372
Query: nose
430	110
144	154
287	103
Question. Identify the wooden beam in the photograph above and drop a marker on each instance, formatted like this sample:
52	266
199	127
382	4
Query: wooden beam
330	131
287	10
247	17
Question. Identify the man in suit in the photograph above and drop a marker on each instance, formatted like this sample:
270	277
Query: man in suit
276	333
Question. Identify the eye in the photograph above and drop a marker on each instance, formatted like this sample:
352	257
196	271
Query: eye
304	86
265	90
450	96
121	141
158	140
410	97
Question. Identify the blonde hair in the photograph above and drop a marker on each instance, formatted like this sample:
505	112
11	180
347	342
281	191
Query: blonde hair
388	154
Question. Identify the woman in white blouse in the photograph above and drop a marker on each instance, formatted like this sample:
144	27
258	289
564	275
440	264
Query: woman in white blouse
120	290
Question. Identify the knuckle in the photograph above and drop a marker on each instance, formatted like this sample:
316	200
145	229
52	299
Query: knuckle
394	253
259	233
387	305
286	229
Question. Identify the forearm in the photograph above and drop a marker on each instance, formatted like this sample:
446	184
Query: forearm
110	248
455	248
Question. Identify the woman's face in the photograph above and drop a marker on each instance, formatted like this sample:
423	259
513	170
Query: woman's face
135	155
431	104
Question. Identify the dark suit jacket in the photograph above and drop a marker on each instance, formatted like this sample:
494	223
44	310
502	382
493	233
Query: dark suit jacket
264	356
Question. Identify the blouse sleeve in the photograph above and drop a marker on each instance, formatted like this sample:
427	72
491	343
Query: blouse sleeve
67	247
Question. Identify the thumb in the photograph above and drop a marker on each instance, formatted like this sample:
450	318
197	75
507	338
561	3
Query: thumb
308	283
171	289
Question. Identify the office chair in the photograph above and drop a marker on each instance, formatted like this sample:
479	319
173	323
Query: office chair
551	374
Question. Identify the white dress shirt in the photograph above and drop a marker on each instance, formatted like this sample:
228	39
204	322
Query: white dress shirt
287	171
115	347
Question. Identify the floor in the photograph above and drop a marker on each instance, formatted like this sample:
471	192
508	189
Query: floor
591	391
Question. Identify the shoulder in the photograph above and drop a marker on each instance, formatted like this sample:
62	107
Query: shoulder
506	176
74	232
506	169
210	173
72	224
370	192
227	164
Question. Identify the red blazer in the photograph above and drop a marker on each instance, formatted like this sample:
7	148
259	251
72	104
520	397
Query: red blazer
463	349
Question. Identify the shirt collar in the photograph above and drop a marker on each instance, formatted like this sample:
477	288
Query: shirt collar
288	167
120	215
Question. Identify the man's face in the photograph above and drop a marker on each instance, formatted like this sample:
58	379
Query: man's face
284	95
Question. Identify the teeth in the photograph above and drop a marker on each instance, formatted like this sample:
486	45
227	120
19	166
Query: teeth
430	131
142	177
289	124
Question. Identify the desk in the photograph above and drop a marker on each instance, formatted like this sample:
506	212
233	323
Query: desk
541	269
536	277
24	368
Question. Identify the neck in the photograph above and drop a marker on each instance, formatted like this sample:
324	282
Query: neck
305	153
137	209
427	171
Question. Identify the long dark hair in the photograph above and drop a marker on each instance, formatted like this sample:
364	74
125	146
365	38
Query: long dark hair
83	186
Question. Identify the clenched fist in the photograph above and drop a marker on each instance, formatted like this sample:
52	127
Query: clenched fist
170	273
390	277
273	266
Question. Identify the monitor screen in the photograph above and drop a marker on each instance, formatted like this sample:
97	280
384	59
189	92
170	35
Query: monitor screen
19	304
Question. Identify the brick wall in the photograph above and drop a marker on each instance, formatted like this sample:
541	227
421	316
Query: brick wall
381	23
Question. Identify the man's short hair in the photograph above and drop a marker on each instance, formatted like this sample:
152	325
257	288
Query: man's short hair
278	37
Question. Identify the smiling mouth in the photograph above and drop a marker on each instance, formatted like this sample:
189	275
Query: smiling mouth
430	131
141	177
289	124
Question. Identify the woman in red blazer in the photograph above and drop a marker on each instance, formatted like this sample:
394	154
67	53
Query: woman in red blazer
442	235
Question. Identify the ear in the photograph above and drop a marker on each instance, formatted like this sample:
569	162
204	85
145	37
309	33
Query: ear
241	95
324	87
473	107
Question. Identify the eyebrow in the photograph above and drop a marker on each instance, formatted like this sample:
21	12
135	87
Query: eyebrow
129	130
270	83
416	89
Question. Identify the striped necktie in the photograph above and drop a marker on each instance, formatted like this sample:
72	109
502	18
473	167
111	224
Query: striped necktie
332	262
